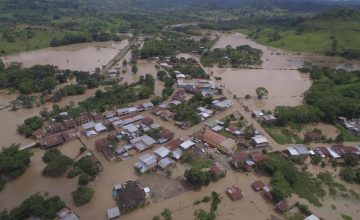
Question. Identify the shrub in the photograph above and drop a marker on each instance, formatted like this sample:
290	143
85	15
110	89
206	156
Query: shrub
50	155
58	166
82	195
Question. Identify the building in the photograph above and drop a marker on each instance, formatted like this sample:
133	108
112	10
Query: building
166	135
234	193
258	157
147	162
175	144
99	127
312	136
130	195
165	163
302	150
69	124
101	144
257	114
222	105
143	142
113	213
312	217
82	119
39	133
71	134
131	129
259	141
268	119
257	185
268	192
88	125
186	145
147	121
239	159
109	153
282	206
56	127
218	169
52	141
97	116
66	214
162	152
226	145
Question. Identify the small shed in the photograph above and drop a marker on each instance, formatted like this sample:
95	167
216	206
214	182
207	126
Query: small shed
234	193
113	213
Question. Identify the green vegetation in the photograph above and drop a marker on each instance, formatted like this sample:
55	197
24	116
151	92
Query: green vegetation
37	206
166	213
38	78
50	155
68	90
171	45
285	174
261	92
346	217
350	174
187	66
332	32
234	57
84	179
58	166
201	214
82	195
168	84
329	181
13	162
333	94
30	125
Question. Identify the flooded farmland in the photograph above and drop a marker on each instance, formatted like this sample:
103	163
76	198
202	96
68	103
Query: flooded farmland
84	56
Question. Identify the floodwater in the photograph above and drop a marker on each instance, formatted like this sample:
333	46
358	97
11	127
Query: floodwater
84	56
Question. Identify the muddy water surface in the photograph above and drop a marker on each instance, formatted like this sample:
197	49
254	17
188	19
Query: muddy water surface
84	56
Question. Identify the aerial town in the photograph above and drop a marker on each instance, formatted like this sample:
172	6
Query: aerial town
205	113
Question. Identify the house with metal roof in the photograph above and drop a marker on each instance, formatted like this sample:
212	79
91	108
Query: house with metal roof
146	163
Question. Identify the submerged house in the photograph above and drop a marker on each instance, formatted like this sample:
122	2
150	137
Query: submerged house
130	195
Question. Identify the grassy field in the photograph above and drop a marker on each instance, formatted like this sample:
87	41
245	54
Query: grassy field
41	39
312	36
279	136
348	136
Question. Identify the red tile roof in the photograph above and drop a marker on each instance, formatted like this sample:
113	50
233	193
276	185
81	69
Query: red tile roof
257	185
167	134
101	144
175	144
258	157
212	137
240	157
147	121
234	193
217	169
282	206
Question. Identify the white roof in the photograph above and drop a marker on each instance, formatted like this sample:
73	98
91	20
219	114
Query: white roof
112	119
266	189
163	163
88	125
90	133
187	144
162	152
292	151
217	128
100	127
130	128
258	113
177	154
113	213
148	159
224	104
180	75
312	217
148	105
145	138
117	186
333	153
204	115
147	190
259	139
302	150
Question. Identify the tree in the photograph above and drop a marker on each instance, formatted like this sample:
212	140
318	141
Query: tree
197	177
13	161
166	213
84	179
134	69
58	166
82	195
347	174
156	100
125	63
351	160
249	132
88	166
261	92
281	187
50	155
339	138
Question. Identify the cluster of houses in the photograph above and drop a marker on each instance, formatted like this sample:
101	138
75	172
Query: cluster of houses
57	133
352	125
134	134
226	145
164	156
265	117
335	152
247	161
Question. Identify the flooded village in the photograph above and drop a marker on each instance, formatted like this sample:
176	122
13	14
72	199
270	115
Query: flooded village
144	148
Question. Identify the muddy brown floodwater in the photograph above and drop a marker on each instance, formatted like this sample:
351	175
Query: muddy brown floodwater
84	56
278	74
